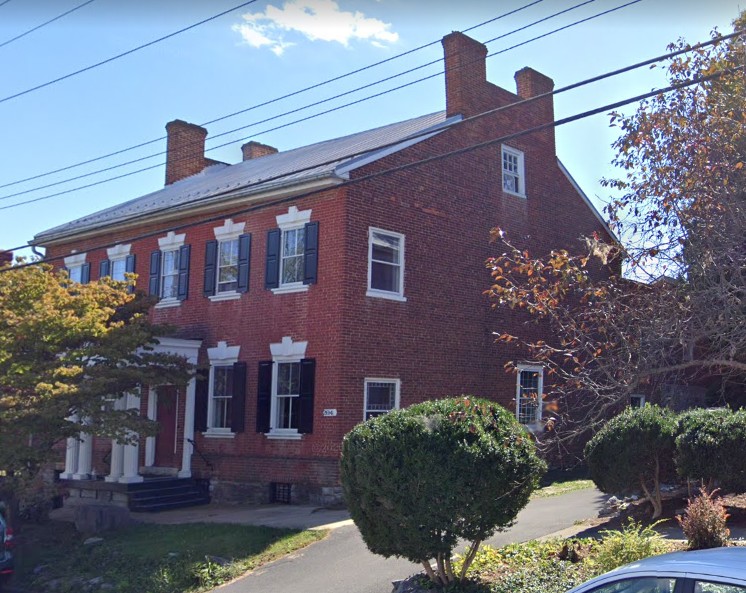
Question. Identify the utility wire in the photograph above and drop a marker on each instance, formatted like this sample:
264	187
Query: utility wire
4	3
270	101
123	54
472	147
315	104
59	16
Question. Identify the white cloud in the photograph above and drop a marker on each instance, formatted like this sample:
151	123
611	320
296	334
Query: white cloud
317	20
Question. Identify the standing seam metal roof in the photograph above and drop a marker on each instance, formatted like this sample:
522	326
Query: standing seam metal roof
283	169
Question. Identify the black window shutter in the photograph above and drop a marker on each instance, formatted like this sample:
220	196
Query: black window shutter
244	262
272	270
104	268
305	399
184	254
200	401
264	396
238	402
129	267
155	273
211	264
85	273
311	254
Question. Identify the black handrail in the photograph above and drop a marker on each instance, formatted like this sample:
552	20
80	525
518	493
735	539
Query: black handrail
202	455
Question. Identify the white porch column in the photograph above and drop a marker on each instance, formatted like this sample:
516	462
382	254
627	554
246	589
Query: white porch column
117	451
131	461
117	462
150	441
186	455
71	459
71	454
85	457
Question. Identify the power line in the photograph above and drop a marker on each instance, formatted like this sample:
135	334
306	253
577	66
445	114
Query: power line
123	54
4	3
303	108
294	122
270	101
553	124
59	16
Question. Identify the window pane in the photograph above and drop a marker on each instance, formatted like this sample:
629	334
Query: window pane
76	273
170	263
380	397
707	587
639	585
223	381
287	416
384	277
528	397
228	266
118	268
288	378
385	248
293	247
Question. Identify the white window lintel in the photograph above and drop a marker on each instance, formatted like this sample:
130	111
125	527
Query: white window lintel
76	259
293	219
171	241
118	251
288	350
229	231
223	355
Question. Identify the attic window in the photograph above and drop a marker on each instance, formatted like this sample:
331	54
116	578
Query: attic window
514	180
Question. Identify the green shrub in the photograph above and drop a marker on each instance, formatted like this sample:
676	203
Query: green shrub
633	542
709	447
704	521
634	452
419	479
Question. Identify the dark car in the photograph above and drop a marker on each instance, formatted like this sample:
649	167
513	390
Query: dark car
6	547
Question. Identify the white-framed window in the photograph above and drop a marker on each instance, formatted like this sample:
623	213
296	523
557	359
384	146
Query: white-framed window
385	264
529	389
169	282
226	266
227	280
77	268
221	389
381	396
286	387
636	400
118	261
513	175
292	227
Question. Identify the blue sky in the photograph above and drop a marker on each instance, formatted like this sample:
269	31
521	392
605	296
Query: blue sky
274	47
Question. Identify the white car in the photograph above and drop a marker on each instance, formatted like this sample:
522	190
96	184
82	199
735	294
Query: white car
719	570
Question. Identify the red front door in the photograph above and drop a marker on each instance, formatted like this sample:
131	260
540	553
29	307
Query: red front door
167	417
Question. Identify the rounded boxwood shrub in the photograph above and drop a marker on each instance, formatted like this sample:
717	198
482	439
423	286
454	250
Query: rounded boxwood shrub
419	479
634	451
709	447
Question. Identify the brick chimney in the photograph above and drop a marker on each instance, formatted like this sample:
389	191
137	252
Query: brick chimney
530	83
185	150
255	150
6	258
466	72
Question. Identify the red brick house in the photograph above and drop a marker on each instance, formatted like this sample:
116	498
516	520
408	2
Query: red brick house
314	301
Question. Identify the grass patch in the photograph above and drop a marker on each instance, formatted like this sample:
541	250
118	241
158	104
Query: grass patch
151	558
562	487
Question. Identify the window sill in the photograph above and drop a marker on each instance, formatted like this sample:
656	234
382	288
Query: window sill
225	296
212	433
283	435
514	193
534	427
167	303
391	296
290	288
